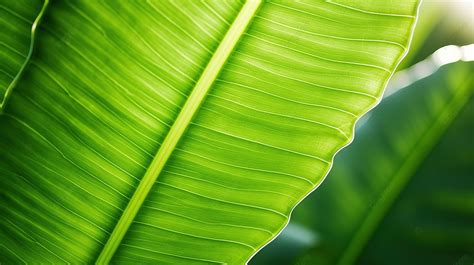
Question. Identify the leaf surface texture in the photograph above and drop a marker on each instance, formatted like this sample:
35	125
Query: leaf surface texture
108	82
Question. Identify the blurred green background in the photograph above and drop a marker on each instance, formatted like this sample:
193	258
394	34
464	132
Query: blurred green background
403	191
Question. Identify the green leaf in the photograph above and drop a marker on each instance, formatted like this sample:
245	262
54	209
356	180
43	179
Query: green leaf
434	214
399	194
183	132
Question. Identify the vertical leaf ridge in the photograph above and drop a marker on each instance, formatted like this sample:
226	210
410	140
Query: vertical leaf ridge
191	106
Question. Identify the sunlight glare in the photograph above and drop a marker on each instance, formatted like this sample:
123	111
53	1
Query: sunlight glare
447	54
468	53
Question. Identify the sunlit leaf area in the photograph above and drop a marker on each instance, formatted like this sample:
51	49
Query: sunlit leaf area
261	132
402	192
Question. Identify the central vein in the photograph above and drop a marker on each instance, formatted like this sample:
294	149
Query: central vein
191	106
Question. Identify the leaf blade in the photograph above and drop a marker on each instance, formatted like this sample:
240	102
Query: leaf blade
95	119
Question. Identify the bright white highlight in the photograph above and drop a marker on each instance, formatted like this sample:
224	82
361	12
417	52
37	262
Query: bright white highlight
467	52
446	55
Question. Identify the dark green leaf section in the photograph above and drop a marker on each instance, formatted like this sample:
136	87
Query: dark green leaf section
433	220
16	19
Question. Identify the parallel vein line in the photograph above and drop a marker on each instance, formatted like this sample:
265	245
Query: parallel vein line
197	236
169	254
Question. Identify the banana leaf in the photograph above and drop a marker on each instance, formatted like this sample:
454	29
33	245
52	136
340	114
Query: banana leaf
181	132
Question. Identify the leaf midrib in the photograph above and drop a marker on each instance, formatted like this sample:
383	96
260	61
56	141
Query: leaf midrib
190	108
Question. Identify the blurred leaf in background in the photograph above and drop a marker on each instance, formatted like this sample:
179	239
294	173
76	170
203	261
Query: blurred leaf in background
440	23
402	193
432	222
394	147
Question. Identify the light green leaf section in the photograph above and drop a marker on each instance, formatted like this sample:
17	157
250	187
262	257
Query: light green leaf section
111	82
176	132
